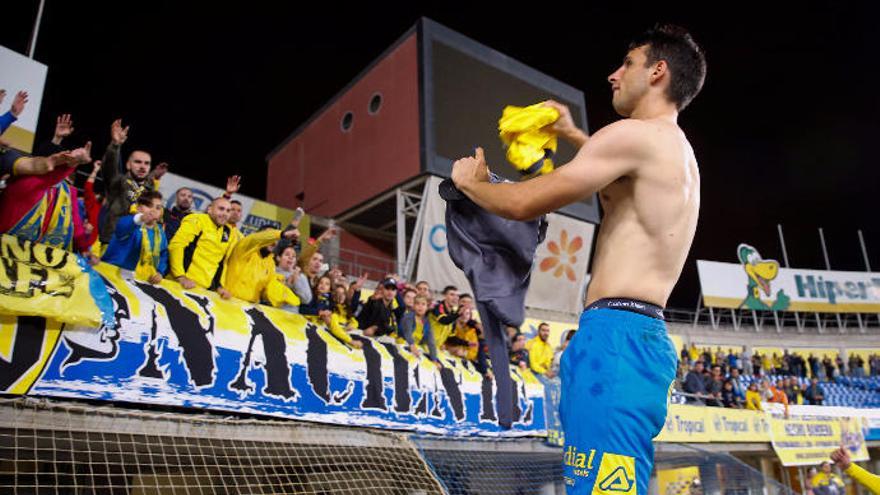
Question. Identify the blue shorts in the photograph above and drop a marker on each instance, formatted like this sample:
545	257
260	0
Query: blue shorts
616	373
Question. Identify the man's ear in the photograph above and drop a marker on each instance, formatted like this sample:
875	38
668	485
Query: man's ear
661	69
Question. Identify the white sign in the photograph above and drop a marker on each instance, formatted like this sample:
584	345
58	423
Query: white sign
19	73
435	265
560	269
759	284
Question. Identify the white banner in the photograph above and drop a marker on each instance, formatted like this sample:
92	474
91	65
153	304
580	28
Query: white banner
756	283
20	73
254	213
435	265
560	267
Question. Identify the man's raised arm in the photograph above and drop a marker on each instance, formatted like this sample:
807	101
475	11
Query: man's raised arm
611	153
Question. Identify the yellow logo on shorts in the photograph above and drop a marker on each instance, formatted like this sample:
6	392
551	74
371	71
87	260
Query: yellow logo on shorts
617	475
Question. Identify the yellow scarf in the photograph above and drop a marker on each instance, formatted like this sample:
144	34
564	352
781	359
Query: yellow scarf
150	253
526	134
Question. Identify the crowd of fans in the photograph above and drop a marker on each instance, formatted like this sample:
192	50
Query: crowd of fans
719	378
125	224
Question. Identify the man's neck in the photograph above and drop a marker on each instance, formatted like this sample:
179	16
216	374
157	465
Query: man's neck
177	206
139	181
150	225
655	109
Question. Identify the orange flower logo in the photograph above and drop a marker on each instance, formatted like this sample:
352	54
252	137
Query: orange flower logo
563	258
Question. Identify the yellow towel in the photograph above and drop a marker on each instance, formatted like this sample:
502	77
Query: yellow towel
526	134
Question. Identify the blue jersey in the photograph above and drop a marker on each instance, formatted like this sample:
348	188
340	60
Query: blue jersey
124	249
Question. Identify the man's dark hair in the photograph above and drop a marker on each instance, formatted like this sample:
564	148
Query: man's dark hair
235	202
685	58
543	324
146	198
138	150
465	296
449	288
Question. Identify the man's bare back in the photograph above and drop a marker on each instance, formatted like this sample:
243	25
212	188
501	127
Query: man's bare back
650	219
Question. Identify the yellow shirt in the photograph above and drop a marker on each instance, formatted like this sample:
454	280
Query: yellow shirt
441	331
469	334
868	480
540	355
251	277
199	247
753	400
694	354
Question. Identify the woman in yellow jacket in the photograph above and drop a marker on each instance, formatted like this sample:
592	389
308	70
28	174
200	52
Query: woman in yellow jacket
856	472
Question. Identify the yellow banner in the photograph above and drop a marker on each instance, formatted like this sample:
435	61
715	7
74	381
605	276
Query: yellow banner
713	424
39	280
801	440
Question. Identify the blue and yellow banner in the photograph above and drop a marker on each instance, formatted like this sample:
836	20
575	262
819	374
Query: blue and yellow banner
40	280
190	348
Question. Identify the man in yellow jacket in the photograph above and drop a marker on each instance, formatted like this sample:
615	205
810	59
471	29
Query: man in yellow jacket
856	472
199	247
541	352
250	269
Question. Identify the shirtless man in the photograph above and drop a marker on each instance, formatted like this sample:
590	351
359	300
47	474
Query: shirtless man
618	368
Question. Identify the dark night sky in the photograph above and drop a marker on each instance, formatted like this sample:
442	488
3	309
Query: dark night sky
784	130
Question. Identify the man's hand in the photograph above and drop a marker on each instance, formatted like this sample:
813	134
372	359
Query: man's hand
88	228
523	365
550	374
155	279
841	458
233	184
370	331
328	234
224	294
18	103
356	344
326	316
294	275
160	170
186	283
291	234
63	127
91	259
490	375
81	156
470	169
414	349
118	133
565	126
73	158
359	283
96	167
